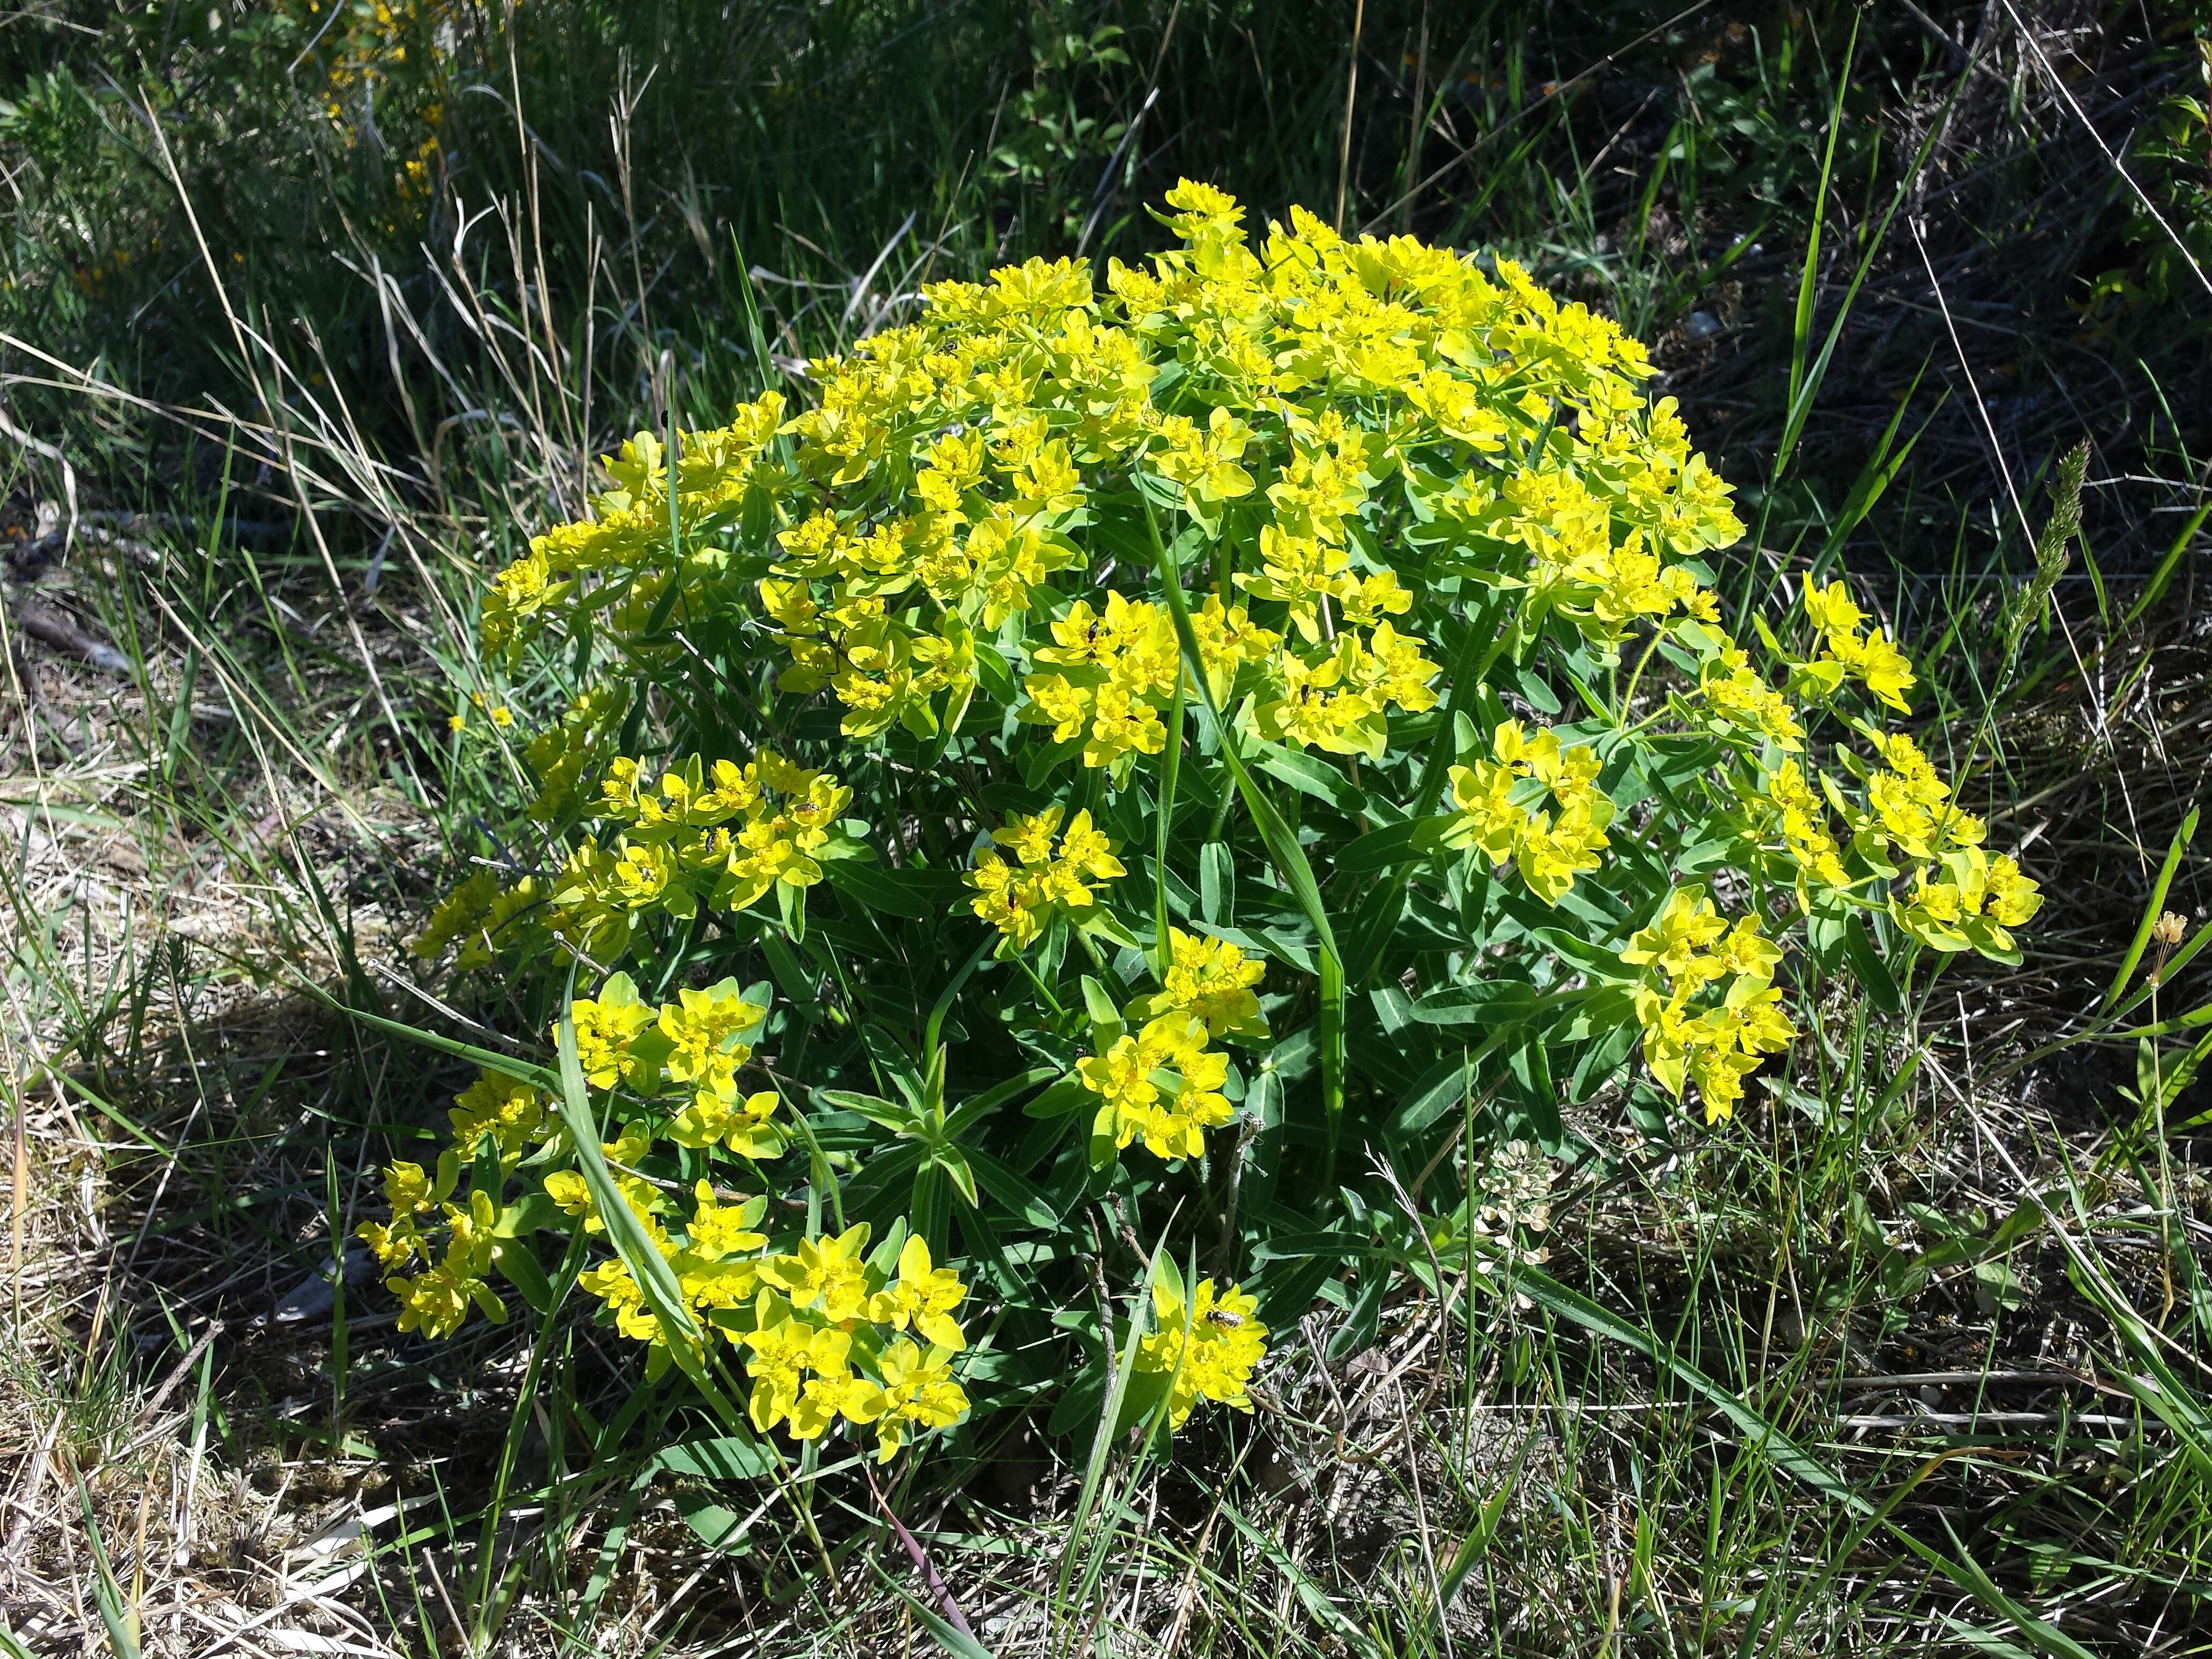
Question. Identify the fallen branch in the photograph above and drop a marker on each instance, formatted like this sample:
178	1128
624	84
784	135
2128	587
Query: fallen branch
52	627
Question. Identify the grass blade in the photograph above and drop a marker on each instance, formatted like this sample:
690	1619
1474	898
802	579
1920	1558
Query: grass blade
2153	910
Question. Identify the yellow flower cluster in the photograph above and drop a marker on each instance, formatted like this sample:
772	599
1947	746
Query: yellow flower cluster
1495	814
1688	947
727	843
623	555
512	1112
436	1299
1868	658
802	1345
1213	980
1161	1084
471	918
806	1318
821	1328
1110	674
1047	879
1971	905
572	1194
695	1045
1789	810
1606	586
1908	806
1734	695
1206	1344
985	430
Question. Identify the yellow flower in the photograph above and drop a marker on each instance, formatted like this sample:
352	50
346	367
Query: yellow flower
1029	836
917	1391
606	1027
1211	979
1686	924
784	1346
437	1300
1051	880
745	1127
717	1231
1737	696
511	1111
702	1028
1549	854
1830	608
1162	1085
1208	1347
923	1296
2013	898
827	1271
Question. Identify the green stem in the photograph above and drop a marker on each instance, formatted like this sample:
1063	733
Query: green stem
1171	763
1467	675
1282	849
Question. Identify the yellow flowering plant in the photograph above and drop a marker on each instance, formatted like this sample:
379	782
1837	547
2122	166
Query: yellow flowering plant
1127	755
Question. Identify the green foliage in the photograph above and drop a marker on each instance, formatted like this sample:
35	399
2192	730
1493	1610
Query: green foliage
1143	854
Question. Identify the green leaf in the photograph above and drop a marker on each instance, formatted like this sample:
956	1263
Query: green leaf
1532	1070
900	1119
1064	1097
1105	1014
1385	849
519	1263
1868	969
913	894
1015	1192
1310	775
1216	884
959	1644
954	1162
2182	837
1443	1086
1493	1003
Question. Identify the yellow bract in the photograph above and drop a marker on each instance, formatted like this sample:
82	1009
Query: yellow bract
1495	817
1162	1085
1207	1346
1211	979
1688	947
1046	879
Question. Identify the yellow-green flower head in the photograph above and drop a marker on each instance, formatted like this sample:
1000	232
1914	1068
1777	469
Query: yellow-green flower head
1213	979
606	1025
784	1346
917	1392
1162	1085
718	1229
826	1274
702	1028
1549	852
511	1111
1686	924
923	1296
1208	1347
1056	875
